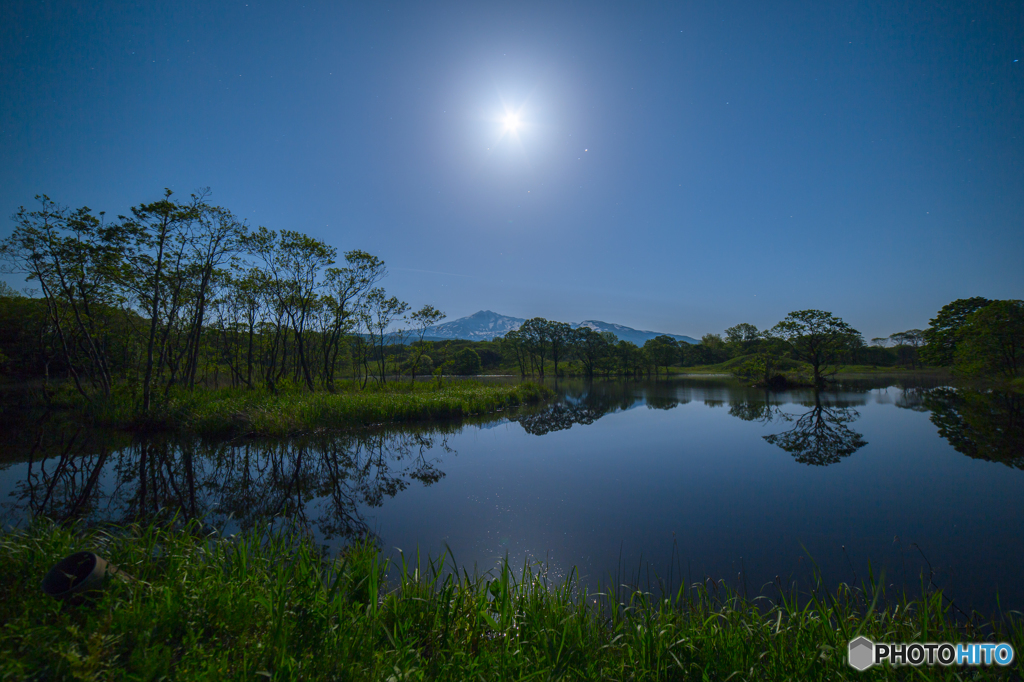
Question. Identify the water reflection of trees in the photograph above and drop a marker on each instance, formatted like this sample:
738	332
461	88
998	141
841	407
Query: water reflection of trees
561	415
578	404
57	475
764	411
819	437
324	481
912	398
986	425
662	402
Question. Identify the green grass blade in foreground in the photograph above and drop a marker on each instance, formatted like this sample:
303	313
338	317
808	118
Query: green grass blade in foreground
271	603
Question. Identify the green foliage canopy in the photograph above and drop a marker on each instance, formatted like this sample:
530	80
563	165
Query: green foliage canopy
817	337
941	335
466	362
991	342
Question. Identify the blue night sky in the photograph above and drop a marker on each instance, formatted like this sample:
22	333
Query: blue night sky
680	167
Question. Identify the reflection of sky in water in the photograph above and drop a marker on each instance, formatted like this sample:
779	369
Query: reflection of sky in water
641	469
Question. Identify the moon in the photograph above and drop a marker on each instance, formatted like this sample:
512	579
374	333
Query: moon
512	122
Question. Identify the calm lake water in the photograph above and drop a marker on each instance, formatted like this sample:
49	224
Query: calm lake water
678	479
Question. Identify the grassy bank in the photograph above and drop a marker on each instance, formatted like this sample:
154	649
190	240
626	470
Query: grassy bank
733	365
258	412
272	606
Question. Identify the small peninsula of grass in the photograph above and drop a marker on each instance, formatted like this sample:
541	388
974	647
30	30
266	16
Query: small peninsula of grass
260	412
273	606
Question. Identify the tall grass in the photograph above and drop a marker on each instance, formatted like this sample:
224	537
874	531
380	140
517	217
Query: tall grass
258	412
272	605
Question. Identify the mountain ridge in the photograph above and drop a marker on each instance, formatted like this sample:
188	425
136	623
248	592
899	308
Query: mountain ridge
486	325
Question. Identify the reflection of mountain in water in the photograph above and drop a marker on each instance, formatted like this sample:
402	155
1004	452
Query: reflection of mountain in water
819	437
983	425
320	481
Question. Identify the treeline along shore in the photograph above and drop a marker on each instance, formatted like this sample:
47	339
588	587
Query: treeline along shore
973	338
138	318
179	316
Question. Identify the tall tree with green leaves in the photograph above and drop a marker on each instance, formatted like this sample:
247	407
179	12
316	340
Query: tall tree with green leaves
156	274
422	319
817	337
629	357
991	342
590	347
907	345
559	339
467	362
78	261
210	247
941	336
242	310
534	333
513	346
742	333
346	289
294	262
663	351
380	312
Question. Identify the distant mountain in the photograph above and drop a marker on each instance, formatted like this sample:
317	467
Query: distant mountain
486	325
624	333
480	326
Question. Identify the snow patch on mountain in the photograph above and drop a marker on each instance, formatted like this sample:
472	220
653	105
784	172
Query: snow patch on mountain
483	325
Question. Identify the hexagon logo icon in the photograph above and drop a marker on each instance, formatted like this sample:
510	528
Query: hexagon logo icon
862	653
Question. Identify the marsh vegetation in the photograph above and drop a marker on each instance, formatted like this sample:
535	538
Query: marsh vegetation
270	603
